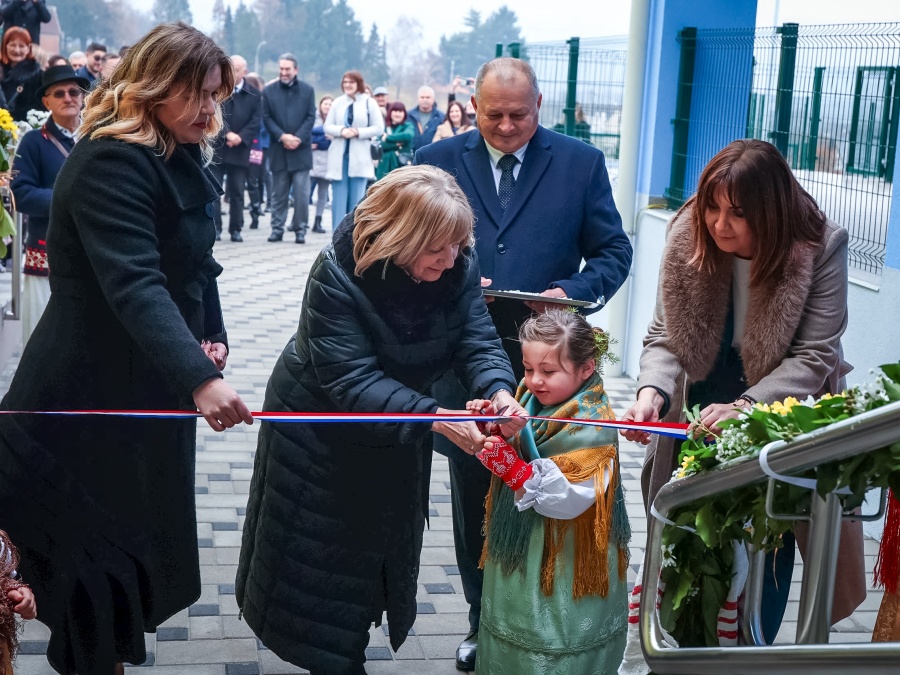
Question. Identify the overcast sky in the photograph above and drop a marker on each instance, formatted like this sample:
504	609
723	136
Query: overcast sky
541	20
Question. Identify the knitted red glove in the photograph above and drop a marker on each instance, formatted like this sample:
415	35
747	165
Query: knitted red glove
503	461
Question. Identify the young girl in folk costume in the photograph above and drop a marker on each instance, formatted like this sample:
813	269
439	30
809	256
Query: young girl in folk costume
15	598
556	551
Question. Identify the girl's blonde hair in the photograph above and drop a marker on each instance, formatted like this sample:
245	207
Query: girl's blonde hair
170	59
410	211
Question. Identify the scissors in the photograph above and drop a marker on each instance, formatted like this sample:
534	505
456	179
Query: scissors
500	418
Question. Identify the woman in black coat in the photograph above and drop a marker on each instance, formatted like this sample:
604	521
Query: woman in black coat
20	74
103	508
337	511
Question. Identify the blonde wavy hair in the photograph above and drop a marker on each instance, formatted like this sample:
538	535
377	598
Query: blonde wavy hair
412	210
172	59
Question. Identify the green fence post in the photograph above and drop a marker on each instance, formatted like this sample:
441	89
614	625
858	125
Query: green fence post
514	49
499	50
815	118
895	123
571	85
784	96
674	194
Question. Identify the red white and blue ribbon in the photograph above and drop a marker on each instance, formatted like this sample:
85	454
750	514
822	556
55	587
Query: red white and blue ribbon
661	428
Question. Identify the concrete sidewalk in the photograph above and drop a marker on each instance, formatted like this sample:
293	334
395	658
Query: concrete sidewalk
261	289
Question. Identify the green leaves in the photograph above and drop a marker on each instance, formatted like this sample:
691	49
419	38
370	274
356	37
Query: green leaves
698	577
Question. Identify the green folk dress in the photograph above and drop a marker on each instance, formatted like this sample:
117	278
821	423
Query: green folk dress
523	630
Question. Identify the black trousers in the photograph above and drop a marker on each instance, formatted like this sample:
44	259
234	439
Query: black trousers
235	179
469	480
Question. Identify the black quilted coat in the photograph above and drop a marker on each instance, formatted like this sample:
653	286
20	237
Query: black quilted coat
337	511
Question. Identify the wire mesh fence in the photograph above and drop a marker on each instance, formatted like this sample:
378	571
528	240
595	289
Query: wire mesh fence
826	96
591	94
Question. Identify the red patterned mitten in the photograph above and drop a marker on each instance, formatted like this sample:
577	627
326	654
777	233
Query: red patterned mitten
503	461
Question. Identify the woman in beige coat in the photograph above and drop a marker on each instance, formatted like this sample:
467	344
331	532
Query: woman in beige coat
751	306
457	122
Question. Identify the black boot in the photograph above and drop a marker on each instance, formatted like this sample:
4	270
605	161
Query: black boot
317	225
300	236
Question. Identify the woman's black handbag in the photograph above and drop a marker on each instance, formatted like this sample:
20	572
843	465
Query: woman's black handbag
376	149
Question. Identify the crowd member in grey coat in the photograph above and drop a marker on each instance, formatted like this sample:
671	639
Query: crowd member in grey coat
289	111
103	508
319	174
337	511
751	306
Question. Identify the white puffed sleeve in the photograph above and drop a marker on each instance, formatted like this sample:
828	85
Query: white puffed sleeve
552	495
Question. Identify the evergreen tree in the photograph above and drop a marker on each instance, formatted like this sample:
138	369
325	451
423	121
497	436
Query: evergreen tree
246	33
375	59
468	49
165	11
218	16
227	42
342	46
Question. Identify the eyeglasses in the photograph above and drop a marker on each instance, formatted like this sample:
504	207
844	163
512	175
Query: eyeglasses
60	93
97	57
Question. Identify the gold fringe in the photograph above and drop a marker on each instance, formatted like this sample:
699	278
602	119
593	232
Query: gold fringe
624	557
488	508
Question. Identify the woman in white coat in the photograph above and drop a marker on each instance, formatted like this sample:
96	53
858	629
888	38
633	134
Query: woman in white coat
354	119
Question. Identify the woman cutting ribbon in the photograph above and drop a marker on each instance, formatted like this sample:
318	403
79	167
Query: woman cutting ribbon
337	511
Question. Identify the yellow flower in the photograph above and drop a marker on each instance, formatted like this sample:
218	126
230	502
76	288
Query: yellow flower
687	462
764	407
680	474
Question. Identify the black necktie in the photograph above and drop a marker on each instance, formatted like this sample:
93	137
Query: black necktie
507	180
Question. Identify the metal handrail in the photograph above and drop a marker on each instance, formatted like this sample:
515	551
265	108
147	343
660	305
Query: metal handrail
856	435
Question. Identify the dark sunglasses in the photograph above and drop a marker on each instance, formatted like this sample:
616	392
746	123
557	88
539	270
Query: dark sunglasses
97	57
60	93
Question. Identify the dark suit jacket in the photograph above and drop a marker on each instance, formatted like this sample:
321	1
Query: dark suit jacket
241	114
289	109
561	211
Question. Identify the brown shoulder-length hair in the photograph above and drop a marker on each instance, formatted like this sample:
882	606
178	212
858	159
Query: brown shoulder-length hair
755	178
411	210
15	33
357	77
173	59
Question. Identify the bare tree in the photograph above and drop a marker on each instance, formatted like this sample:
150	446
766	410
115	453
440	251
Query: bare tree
405	54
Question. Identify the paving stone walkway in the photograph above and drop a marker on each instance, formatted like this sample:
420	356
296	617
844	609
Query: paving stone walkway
262	289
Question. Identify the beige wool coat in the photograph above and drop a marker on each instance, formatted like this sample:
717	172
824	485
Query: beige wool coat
791	347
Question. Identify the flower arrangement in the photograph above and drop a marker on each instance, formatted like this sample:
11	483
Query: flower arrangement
9	134
698	550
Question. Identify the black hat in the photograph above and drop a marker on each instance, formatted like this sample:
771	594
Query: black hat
56	74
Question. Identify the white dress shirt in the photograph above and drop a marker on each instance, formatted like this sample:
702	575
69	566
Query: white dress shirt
495	156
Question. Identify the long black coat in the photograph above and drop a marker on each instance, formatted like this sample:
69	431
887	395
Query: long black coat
103	508
292	110
336	512
242	114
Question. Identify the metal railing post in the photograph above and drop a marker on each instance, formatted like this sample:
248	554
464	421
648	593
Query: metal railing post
571	86
514	49
895	124
499	50
784	96
681	122
819	568
815	117
751	617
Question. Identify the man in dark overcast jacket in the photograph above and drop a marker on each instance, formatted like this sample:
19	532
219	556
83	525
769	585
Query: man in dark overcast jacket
29	14
289	111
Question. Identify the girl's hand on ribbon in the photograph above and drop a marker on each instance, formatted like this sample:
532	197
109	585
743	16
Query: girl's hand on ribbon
513	409
645	409
22	601
502	460
220	405
465	435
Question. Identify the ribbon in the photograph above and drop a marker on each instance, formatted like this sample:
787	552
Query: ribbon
661	428
806	483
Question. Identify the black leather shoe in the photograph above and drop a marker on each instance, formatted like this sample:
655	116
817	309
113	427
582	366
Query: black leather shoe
300	239
254	223
275	237
236	236
465	653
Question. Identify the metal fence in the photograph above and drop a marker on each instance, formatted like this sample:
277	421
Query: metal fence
582	82
826	96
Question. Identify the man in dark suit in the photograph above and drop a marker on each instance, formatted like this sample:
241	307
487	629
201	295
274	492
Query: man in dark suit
289	111
240	114
543	204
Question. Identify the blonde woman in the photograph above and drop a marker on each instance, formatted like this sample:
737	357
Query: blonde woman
336	513
103	508
457	122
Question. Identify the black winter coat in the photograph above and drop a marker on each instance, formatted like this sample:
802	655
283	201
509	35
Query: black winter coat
241	114
336	513
292	110
102	509
20	84
27	14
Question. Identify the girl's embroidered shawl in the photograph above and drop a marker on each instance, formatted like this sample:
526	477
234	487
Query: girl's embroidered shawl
581	453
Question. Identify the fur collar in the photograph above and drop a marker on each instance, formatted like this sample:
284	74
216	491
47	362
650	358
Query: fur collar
695	306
